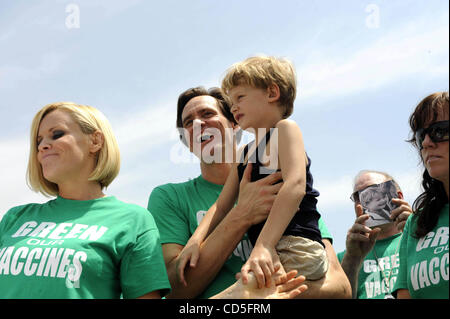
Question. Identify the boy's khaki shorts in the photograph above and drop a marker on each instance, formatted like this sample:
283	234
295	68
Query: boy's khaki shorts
306	256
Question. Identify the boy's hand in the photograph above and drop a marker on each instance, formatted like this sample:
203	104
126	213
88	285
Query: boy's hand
263	262
190	252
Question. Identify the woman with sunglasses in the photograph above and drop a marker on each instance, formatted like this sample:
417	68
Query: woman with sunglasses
424	271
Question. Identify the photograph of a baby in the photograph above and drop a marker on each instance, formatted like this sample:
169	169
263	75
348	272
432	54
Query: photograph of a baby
376	201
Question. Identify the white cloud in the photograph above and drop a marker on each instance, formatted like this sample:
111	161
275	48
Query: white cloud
395	56
11	76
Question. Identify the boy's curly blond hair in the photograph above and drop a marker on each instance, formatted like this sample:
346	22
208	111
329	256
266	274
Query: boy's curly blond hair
262	71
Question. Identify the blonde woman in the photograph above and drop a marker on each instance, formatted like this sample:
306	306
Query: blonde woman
82	244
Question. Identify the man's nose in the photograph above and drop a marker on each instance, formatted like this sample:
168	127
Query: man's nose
198	121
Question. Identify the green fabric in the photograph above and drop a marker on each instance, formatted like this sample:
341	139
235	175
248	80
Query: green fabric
424	261
178	209
64	248
374	274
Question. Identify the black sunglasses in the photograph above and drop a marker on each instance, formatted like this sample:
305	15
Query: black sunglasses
438	132
355	197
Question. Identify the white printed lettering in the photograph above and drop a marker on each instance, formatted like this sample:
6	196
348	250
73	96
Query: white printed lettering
25	229
43	260
53	262
424	242
434	274
93	232
441	237
16	267
75	272
76	230
444	266
60	229
30	267
42	230
65	261
5	261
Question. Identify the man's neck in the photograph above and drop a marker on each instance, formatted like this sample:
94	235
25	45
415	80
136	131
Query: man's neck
215	173
391	230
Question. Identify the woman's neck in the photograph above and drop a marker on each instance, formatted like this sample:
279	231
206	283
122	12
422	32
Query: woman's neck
88	191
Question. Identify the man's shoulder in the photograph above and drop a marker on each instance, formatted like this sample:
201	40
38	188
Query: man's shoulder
174	187
171	192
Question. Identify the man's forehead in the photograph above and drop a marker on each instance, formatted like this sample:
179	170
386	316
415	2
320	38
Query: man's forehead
198	103
368	179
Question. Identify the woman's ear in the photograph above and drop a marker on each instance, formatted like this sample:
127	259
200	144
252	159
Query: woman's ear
97	141
273	92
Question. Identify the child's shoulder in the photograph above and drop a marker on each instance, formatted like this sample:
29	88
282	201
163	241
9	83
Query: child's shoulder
288	127
286	124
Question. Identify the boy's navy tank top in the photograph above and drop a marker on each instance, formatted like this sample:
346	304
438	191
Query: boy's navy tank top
305	221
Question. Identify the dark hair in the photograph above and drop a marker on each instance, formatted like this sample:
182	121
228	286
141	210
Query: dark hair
428	205
189	94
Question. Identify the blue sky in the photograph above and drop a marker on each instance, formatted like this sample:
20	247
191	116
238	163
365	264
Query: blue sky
362	66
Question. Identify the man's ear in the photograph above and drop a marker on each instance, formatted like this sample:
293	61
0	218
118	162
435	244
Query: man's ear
273	91
400	194
97	141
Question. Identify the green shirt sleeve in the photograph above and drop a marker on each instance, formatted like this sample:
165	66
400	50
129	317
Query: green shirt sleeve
171	221
324	230
143	269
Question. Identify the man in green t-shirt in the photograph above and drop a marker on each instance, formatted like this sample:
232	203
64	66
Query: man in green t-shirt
179	208
371	258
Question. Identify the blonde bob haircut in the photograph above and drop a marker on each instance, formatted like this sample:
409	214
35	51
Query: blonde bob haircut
261	72
90	120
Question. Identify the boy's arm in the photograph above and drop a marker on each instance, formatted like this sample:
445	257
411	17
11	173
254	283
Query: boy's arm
255	200
214	215
264	260
292	157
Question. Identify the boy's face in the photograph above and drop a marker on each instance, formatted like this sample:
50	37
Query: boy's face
251	106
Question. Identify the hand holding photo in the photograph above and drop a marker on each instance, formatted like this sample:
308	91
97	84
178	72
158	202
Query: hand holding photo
376	201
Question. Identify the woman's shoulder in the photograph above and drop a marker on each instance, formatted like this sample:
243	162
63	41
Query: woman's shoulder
17	212
20	209
130	207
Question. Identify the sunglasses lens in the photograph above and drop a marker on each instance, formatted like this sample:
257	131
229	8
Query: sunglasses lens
438	132
355	197
420	134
